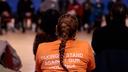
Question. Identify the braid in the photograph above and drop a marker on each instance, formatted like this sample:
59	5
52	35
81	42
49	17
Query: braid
66	28
61	51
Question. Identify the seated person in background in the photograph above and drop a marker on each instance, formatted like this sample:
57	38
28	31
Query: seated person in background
48	28
66	54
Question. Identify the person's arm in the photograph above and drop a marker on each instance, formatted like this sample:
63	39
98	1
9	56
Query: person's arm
38	64
91	62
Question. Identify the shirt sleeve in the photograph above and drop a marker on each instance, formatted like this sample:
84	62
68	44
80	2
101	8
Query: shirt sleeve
91	60
38	64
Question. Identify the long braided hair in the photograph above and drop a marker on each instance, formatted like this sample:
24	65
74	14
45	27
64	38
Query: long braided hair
66	29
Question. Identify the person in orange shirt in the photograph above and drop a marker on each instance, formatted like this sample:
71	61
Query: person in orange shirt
66	54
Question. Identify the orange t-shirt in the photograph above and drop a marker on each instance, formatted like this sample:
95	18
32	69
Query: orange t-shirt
78	57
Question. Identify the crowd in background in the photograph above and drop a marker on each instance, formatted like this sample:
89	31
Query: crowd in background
90	14
109	41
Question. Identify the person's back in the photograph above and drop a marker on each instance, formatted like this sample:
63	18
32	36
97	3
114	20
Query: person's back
110	43
107	38
67	53
40	38
77	53
114	35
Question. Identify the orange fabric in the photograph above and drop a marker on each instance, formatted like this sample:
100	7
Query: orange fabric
78	57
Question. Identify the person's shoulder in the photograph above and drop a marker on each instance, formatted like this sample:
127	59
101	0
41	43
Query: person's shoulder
47	44
40	34
43	46
101	30
82	42
84	45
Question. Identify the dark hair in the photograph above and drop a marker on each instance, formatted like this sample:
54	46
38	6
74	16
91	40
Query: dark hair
119	13
49	21
119	10
66	29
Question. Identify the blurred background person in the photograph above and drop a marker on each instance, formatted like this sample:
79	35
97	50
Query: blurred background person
110	4
5	14
63	6
98	13
88	7
75	8
49	4
25	14
110	42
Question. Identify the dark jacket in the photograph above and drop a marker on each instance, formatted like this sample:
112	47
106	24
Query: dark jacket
41	38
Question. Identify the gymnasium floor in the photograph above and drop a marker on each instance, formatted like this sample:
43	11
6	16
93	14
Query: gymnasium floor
23	45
